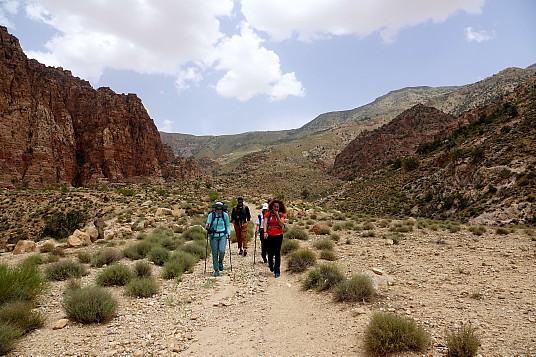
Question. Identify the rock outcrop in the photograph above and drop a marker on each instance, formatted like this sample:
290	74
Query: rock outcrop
57	129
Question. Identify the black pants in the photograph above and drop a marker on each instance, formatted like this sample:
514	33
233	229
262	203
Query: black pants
274	251
264	245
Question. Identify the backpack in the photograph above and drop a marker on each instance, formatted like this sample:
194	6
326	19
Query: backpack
213	213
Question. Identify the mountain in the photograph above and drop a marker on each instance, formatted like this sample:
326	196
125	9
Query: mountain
56	129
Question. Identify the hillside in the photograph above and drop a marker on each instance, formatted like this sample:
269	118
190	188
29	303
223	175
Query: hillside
484	172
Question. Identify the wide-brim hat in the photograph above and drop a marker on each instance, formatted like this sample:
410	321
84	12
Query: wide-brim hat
219	204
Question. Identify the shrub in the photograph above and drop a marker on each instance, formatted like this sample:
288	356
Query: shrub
324	277
387	333
158	255
90	304
462	342
194	233
178	263
324	231
83	257
296	233
502	230
327	255
368	234
196	249
106	256
300	260
20	315
477	230
138	250
47	247
115	274
358	288
142	287
142	269
35	259
335	237
289	245
324	244
8	336
64	270
61	225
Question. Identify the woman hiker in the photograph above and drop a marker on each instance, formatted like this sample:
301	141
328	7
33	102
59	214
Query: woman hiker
219	228
274	221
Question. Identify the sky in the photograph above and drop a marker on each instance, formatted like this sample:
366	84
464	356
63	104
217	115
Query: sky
216	67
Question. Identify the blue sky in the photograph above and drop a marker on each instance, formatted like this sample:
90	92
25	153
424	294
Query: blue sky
213	67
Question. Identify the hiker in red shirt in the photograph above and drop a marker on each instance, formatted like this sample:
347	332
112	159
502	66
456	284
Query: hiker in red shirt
274	221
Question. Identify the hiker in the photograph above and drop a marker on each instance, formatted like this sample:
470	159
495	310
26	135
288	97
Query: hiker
274	221
219	228
259	229
240	218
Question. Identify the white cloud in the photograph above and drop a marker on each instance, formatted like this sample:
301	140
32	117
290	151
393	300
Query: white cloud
167	126
252	69
477	36
311	19
8	8
189	75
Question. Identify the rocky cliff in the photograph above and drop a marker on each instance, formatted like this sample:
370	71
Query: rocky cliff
56	129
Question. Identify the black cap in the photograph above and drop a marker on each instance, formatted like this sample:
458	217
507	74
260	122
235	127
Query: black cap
240	199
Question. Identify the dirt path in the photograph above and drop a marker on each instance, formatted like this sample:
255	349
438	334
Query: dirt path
280	320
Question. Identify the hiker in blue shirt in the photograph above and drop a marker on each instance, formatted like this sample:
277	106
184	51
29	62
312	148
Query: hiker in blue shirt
219	228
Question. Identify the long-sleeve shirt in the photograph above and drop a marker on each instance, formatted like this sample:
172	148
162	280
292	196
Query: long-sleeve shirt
220	222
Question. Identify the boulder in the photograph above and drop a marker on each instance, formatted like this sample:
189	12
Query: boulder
78	239
24	246
161	212
93	233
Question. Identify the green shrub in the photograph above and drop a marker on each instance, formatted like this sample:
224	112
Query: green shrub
83	257
35	259
61	225
296	233
327	255
194	233
324	244
324	277
20	315
142	287
462	342
138	250
178	263
358	288
503	231
388	333
90	304
115	274
195	248
106	256
8	335
289	245
65	269
158	255
335	237
300	260
142	269
324	231
477	230
47	247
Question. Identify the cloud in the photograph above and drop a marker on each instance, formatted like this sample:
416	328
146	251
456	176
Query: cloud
8	8
312	19
477	36
167	126
251	69
187	76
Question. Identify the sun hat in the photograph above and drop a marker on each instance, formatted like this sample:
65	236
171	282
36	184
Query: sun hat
219	204
265	206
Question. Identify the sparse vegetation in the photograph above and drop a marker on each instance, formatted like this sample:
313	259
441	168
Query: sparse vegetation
462	342
296	233
289	245
301	259
324	244
93	304
142	287
115	274
65	269
323	277
358	288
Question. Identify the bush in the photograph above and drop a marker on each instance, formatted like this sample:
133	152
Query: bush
8	336
358	288
65	269
289	245
300	260
158	255
142	269
477	230
90	304
178	263
462	342
20	315
194	233
196	249
296	233
324	244
387	333
335	237
115	274
35	259
47	247
327	255
142	287
137	250
61	225
324	277
83	257
106	256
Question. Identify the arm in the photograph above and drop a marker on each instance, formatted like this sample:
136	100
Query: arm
207	224
226	218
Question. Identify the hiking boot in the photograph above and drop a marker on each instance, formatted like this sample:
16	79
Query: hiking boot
272	269
245	252
216	273
240	252
277	275
221	267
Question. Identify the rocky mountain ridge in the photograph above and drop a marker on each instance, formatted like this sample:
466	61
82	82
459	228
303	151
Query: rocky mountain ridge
56	129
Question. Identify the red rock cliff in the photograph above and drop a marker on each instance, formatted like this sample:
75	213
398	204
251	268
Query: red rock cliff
56	129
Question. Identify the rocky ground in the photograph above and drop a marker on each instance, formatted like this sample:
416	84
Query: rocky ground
439	276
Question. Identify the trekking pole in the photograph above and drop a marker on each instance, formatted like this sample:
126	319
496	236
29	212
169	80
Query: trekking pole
230	260
255	248
206	254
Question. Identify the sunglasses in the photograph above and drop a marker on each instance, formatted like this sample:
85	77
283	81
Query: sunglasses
219	209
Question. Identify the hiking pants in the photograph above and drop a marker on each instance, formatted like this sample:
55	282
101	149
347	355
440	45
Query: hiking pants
217	244
241	231
274	252
264	245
